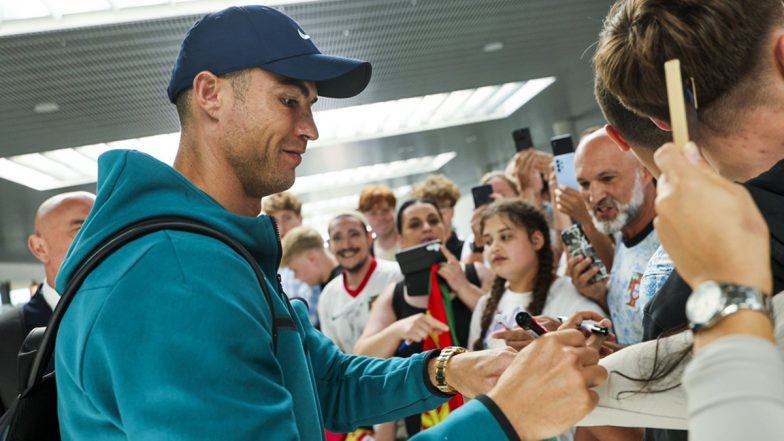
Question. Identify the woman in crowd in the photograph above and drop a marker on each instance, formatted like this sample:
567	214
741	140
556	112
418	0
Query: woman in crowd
517	241
398	323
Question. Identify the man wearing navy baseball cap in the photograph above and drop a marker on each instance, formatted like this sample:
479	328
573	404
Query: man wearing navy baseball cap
174	337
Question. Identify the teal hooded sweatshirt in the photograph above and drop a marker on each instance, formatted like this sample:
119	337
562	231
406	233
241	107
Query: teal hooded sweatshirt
170	337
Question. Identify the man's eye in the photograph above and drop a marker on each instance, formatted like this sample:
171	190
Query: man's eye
289	102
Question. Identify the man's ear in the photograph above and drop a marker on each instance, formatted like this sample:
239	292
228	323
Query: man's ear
645	175
662	124
312	256
37	246
206	93
779	53
617	138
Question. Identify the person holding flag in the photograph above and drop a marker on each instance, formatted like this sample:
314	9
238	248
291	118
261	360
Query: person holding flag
402	324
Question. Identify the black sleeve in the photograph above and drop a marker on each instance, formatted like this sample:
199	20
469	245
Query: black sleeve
666	311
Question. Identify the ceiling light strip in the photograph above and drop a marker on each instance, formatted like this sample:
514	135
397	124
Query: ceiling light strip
347	124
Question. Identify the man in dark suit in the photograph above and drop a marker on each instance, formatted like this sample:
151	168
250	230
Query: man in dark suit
57	221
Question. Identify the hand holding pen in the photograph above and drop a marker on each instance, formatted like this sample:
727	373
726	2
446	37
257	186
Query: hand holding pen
595	327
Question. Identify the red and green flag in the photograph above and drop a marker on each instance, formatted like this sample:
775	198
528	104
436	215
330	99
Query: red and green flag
440	308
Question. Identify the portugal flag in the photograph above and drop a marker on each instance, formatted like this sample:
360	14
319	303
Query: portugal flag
440	308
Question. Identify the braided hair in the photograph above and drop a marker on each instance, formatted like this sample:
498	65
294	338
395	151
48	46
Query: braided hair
530	219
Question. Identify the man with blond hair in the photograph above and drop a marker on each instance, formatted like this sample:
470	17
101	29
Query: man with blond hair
377	203
286	210
305	255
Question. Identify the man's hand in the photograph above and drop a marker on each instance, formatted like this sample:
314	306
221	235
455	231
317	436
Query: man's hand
546	389
418	327
474	373
549	323
572	203
580	270
710	226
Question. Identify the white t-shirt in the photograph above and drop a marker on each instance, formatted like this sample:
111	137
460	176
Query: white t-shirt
562	299
342	316
623	289
385	254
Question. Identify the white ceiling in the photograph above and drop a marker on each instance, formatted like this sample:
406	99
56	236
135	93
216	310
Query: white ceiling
109	80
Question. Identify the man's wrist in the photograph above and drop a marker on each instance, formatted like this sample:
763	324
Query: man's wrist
429	373
442	376
476	248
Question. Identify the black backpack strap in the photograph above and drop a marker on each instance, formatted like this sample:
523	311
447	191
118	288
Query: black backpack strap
112	244
12	329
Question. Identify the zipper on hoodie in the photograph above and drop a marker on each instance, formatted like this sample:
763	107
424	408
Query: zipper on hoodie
277	239
279	256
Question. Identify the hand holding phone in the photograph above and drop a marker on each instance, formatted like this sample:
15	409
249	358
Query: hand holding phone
563	160
579	245
522	139
415	263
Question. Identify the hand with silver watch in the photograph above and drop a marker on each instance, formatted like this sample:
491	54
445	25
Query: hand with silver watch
712	301
720	243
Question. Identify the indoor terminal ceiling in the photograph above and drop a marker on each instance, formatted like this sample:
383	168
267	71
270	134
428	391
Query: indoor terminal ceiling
108	82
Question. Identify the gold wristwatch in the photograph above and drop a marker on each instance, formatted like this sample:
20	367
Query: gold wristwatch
441	361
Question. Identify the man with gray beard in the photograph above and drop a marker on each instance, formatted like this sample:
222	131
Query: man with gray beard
620	195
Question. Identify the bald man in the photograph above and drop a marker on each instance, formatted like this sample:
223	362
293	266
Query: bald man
621	195
57	221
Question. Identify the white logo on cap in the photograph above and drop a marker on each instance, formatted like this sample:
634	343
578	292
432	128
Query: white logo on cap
303	35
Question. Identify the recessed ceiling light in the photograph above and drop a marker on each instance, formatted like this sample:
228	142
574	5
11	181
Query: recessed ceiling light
346	124
494	46
46	108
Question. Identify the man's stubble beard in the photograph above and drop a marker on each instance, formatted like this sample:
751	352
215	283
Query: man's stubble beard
258	174
626	212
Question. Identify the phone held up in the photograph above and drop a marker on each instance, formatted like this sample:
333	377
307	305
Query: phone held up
563	160
579	245
522	139
415	263
482	195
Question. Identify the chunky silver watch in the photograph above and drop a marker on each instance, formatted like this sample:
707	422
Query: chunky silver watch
712	301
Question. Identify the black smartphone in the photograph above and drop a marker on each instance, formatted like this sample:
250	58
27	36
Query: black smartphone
415	263
562	144
522	139
482	194
579	245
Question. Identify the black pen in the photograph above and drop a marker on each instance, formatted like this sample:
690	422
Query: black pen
525	321
591	327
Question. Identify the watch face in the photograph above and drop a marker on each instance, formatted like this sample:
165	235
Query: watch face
704	303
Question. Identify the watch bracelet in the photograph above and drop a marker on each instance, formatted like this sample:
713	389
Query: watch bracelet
441	362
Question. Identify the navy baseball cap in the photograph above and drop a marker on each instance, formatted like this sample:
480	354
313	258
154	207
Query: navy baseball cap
257	36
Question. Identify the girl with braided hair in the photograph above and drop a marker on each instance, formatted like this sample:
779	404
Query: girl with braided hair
517	245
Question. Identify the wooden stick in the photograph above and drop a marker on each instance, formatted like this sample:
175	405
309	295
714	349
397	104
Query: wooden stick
678	121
